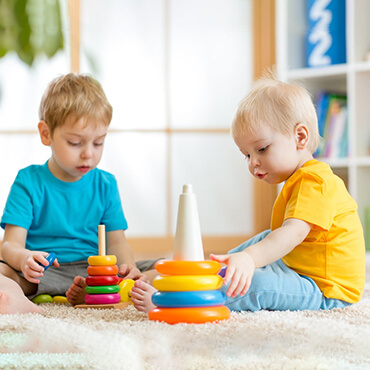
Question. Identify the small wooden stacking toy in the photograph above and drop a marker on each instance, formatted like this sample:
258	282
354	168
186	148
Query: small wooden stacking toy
103	290
188	287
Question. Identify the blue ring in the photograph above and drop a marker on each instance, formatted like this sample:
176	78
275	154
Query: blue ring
199	298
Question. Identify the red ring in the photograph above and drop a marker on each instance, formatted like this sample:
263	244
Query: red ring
97	280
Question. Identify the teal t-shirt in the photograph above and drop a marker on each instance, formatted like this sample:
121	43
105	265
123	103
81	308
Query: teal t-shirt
63	217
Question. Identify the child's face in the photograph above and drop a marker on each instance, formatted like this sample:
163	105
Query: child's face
272	156
76	149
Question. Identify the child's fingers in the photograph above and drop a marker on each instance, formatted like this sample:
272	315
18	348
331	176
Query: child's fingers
230	271
56	263
233	284
219	257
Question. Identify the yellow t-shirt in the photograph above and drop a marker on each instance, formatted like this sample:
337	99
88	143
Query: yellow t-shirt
333	253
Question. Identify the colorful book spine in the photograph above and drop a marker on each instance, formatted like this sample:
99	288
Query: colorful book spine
332	115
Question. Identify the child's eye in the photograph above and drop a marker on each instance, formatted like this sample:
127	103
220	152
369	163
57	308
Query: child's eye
262	150
98	144
247	156
73	143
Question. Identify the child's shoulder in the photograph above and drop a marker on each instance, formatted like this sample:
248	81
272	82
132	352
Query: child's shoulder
102	176
316	170
32	170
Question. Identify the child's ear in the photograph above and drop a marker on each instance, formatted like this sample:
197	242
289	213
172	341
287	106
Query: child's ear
302	135
44	132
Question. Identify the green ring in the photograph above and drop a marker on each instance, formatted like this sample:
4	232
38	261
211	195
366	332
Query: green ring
102	289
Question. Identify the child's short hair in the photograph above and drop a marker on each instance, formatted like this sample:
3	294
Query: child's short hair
74	96
279	105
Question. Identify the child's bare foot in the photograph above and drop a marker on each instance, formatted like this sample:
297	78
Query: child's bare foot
76	292
10	303
141	296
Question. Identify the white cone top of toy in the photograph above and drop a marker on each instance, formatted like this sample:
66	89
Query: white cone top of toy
188	239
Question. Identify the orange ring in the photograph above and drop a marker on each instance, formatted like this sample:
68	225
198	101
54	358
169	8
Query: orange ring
186	283
102	270
197	315
102	260
167	267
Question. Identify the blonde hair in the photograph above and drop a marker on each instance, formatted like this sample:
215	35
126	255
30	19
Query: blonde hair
279	105
74	96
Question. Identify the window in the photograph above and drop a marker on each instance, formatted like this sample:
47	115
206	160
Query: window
174	71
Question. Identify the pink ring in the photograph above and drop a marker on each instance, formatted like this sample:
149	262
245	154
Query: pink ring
102	298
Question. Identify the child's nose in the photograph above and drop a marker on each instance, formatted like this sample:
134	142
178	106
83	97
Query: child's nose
254	162
86	152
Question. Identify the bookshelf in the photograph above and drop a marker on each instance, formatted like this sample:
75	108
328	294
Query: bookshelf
351	79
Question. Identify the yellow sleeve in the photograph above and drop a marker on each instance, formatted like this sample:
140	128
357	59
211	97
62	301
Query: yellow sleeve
309	201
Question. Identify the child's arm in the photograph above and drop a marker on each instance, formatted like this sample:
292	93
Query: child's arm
117	245
21	259
276	245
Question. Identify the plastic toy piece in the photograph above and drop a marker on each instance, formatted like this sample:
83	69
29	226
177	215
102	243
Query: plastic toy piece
187	283
59	299
102	289
102	260
42	298
102	270
102	280
188	240
101	240
50	258
125	289
202	298
102	298
167	267
222	272
197	315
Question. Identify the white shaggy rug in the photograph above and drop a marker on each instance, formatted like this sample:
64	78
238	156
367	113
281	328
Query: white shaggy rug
65	338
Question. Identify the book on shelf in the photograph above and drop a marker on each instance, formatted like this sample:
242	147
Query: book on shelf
332	116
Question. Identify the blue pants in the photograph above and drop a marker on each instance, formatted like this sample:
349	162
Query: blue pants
277	287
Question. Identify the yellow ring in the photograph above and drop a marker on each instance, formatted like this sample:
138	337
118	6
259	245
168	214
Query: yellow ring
125	289
187	283
102	260
166	267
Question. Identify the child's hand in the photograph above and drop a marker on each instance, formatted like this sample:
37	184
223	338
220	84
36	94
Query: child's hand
240	270
127	271
33	266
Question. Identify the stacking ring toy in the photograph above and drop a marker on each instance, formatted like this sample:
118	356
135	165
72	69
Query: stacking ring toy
102	298
102	280
166	267
102	260
187	283
102	289
197	315
125	289
199	298
102	270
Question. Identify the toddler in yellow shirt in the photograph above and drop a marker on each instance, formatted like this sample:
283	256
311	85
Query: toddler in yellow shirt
314	256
